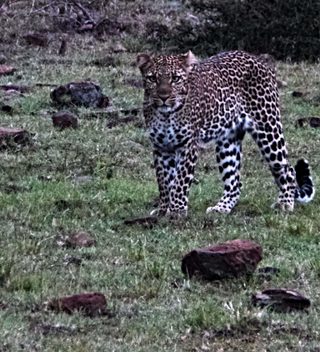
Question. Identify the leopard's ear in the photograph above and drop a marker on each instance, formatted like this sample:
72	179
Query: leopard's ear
189	59
144	61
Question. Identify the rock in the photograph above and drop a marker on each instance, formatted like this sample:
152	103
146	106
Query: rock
86	93
297	94
281	300
80	239
91	304
65	119
36	39
225	260
313	121
13	136
6	70
15	87
6	108
302	122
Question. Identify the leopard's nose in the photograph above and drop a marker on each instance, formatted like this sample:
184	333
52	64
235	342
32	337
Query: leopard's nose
164	93
164	97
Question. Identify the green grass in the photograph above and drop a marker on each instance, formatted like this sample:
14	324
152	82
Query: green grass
93	178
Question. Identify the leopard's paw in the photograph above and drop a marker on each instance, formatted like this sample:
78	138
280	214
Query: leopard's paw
159	212
223	209
283	206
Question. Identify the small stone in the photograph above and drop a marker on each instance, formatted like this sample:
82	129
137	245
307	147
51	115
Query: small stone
302	122
6	70
65	119
6	108
36	39
10	137
91	304
314	122
80	239
297	94
229	259
281	300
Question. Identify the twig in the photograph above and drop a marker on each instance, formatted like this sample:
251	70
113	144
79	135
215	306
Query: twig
86	13
46	85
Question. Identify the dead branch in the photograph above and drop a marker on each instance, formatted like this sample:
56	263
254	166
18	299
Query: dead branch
85	12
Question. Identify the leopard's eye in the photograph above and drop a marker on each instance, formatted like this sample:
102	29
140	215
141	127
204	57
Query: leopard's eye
176	78
152	78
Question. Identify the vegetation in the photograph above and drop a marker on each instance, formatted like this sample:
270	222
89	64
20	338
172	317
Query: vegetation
94	177
285	29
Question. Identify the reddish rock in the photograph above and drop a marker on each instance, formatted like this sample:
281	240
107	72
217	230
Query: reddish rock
6	70
281	300
91	304
80	239
65	119
229	259
12	136
85	93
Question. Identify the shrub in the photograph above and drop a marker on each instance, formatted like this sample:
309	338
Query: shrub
285	29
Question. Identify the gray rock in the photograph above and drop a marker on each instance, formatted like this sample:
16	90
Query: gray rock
281	300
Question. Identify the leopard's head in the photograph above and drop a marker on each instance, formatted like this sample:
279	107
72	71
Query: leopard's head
166	79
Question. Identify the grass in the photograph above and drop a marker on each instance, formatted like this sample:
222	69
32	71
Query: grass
93	178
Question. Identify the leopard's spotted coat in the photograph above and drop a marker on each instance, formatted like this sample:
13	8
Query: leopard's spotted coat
188	104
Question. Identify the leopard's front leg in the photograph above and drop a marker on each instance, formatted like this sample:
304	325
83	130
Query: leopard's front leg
165	166
185	160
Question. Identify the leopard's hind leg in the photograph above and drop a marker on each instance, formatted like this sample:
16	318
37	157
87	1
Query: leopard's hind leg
229	154
270	140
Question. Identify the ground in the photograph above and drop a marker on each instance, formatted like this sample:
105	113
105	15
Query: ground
95	177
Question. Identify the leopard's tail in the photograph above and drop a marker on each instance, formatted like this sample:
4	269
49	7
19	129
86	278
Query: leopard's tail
305	190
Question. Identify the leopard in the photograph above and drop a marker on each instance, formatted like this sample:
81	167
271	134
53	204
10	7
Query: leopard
190	104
